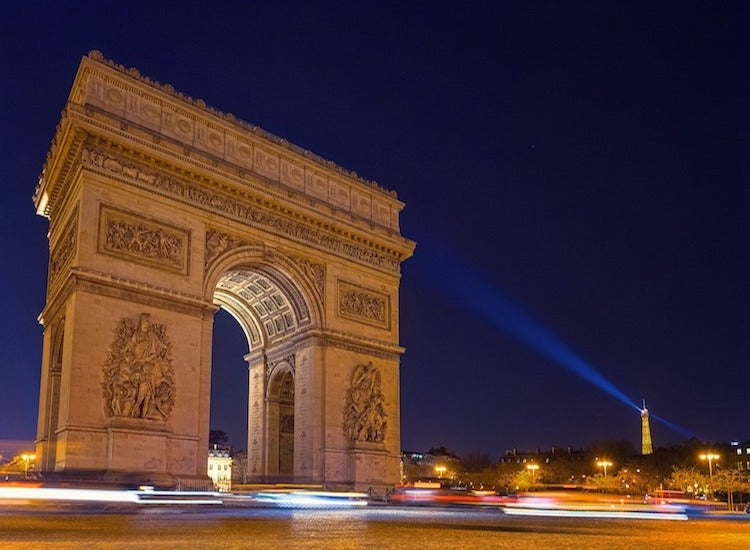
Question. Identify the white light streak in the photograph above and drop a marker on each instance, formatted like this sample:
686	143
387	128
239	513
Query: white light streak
546	512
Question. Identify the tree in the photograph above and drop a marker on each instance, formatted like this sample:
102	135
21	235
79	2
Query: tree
605	484
505	474
525	480
217	437
731	482
441	451
475	462
692	482
617	450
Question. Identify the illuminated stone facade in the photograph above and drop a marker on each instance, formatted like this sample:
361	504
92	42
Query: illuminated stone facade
220	468
162	210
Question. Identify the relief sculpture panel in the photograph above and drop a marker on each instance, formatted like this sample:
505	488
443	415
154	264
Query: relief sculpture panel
364	305
65	248
138	372
217	243
364	412
142	240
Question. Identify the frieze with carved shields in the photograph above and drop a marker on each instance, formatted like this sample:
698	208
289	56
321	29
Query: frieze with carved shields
138	372
364	411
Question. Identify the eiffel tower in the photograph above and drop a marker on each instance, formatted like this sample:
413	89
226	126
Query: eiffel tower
646	447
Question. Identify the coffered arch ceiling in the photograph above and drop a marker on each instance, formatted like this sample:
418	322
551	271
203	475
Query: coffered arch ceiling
265	302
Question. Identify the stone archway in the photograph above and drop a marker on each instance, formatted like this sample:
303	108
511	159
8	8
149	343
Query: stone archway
161	211
277	307
280	424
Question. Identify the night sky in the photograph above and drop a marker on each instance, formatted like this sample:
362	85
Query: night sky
587	161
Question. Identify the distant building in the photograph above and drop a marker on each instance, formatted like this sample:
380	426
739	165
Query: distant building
545	456
220	468
741	452
417	466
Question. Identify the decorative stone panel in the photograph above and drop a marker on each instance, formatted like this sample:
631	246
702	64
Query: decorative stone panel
65	247
138	372
364	410
142	240
364	305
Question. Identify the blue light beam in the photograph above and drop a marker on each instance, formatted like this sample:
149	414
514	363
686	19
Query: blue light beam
475	294
671	425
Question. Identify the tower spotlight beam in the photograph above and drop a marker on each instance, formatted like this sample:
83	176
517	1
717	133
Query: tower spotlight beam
475	294
449	275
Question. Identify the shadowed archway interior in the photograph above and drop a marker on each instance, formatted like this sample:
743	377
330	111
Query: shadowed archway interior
269	308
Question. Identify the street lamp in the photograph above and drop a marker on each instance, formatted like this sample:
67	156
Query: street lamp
532	468
27	457
440	470
604	464
710	457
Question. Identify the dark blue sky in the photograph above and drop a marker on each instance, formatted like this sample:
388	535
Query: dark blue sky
588	160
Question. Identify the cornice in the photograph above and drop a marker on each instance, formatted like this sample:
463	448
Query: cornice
117	287
241	204
60	164
152	158
348	341
157	139
132	72
134	107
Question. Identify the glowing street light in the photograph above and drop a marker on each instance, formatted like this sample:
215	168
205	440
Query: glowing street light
27	457
532	468
710	457
604	464
440	470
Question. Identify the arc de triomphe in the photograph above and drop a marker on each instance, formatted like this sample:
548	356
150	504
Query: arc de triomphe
161	210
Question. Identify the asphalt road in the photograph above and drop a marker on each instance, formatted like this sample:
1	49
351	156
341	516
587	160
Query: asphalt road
388	527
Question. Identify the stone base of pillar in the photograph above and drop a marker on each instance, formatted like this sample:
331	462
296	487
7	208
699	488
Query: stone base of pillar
367	463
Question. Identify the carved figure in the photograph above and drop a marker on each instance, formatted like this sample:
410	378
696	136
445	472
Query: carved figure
364	305
138	372
217	243
142	240
364	412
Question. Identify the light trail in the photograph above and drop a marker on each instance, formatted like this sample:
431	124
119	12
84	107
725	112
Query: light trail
74	495
601	514
312	499
106	495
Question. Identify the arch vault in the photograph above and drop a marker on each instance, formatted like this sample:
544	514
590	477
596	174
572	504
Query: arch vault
161	210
